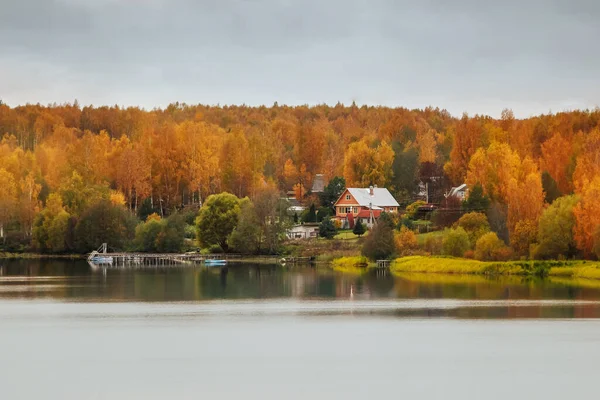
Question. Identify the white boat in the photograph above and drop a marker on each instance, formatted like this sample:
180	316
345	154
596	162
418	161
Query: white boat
102	260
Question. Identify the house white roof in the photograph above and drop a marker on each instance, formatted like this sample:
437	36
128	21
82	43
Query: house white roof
381	197
457	189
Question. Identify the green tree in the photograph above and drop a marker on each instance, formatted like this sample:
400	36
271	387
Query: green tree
324	212
386	219
332	191
171	237
379	243
475	224
271	212
105	222
327	229
477	201
146	234
246	236
555	229
310	215
359	229
456	242
217	218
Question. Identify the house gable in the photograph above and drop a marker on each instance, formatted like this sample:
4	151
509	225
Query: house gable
346	198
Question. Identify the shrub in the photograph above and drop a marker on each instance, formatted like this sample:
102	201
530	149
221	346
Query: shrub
490	248
379	243
406	241
455	242
475	224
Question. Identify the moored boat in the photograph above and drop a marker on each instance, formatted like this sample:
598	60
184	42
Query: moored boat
214	262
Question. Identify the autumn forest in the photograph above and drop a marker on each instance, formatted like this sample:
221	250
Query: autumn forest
62	158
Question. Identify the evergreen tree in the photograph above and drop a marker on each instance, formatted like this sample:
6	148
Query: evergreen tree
327	229
359	228
477	201
332	191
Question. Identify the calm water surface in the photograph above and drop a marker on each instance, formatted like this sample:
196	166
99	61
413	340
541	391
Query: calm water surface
259	331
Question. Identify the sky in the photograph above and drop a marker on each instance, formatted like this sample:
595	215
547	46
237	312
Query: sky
475	56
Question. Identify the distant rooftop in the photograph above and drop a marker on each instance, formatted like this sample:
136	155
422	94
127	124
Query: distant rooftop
318	184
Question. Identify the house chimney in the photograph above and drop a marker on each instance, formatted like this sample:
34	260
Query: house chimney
371	190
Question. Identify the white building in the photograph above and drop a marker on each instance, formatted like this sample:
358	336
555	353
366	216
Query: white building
305	231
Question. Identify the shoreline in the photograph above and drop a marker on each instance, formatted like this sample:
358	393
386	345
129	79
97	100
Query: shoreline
462	266
40	256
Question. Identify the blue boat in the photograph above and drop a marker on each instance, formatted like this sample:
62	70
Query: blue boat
214	262
102	260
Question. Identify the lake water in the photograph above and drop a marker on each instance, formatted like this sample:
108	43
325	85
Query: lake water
260	331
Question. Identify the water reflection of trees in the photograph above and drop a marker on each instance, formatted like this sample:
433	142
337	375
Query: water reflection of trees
76	281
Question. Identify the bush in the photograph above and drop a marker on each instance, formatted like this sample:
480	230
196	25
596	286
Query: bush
490	248
455	242
406	241
475	224
379	243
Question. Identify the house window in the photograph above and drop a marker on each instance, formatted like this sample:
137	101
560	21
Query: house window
348	210
355	210
347	197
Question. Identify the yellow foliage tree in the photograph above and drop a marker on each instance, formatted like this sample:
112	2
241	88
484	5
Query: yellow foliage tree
587	216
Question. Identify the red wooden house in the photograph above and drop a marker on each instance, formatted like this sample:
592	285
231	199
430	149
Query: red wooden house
365	204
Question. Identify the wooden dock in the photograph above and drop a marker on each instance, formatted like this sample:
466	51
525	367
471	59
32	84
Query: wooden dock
103	258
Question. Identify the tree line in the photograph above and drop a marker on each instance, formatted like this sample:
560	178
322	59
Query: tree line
59	160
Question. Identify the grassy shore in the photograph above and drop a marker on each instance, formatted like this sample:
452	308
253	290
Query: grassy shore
443	265
352	265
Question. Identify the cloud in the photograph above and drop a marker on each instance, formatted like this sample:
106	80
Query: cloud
464	55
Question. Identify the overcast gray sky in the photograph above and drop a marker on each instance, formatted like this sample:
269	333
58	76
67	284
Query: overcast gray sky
478	56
